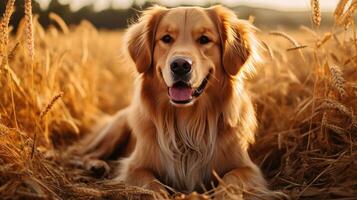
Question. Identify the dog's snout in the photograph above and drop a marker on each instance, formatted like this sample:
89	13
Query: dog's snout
180	66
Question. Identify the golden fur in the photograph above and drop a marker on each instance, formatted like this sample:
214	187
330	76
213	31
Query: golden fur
180	146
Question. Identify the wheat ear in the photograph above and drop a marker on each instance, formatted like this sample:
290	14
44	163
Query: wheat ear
339	9
29	29
337	79
316	12
50	104
4	40
347	17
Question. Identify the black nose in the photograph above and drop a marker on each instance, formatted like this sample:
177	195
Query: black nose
180	66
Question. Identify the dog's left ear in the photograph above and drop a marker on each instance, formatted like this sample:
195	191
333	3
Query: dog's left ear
239	43
140	38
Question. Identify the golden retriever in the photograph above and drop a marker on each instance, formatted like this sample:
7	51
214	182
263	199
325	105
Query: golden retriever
190	115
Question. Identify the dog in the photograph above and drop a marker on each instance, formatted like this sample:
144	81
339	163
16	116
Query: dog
191	118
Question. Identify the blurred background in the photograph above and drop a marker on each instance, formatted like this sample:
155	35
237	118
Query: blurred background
113	14
57	82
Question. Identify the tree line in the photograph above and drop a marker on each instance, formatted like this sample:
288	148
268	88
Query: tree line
109	18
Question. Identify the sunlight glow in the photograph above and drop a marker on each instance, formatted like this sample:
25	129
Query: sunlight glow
285	5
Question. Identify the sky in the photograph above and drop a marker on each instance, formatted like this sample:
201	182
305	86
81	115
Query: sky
287	5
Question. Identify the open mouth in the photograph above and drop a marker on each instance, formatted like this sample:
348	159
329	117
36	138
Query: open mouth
183	93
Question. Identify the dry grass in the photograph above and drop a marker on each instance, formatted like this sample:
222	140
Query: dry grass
307	138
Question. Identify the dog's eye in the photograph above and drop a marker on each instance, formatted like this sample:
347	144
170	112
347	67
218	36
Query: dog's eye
166	39
204	39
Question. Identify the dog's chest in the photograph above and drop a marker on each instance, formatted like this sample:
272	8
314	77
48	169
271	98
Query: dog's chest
186	142
187	173
192	151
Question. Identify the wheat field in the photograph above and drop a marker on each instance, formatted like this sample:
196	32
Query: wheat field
55	83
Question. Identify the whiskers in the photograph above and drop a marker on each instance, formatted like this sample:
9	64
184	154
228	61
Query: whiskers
214	77
212	80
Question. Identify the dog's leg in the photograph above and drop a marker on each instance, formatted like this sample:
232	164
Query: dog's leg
243	180
247	183
114	134
146	179
101	145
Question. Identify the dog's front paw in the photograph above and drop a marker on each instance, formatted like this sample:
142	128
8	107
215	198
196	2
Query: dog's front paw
233	188
230	187
159	190
192	196
98	168
228	192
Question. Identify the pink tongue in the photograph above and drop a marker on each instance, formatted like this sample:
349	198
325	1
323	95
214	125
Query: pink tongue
180	93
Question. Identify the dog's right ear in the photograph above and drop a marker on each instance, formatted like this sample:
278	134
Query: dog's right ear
140	38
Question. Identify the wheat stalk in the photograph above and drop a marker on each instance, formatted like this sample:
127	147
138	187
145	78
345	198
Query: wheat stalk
335	37
337	79
326	37
290	39
270	52
296	48
324	119
29	29
316	12
307	29
286	36
336	129
60	22
39	30
50	104
335	57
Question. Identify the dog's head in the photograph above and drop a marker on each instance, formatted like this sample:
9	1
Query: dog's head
182	49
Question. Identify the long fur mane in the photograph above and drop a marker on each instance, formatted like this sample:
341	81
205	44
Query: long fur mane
187	136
